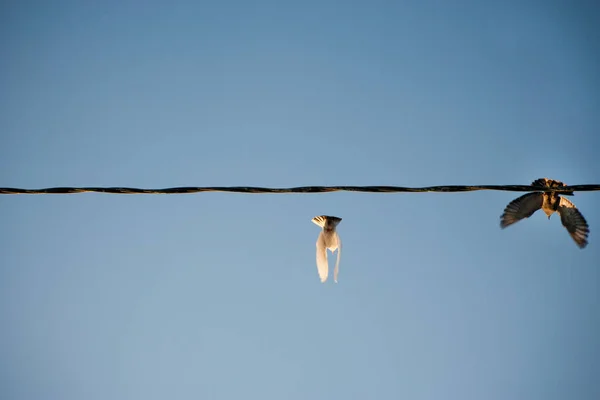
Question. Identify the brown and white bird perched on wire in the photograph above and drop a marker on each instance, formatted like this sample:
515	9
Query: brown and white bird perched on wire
549	202
328	239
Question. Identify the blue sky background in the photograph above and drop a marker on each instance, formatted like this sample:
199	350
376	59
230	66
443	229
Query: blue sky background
216	296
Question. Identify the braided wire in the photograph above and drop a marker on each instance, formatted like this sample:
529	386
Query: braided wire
302	189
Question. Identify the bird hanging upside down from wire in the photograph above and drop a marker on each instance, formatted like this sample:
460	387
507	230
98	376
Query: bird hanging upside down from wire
328	239
549	202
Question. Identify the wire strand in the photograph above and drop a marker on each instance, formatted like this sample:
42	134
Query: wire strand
303	189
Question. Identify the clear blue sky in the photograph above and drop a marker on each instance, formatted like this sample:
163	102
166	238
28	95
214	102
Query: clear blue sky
216	296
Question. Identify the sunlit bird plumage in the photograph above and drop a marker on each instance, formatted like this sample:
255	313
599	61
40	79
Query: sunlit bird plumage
328	239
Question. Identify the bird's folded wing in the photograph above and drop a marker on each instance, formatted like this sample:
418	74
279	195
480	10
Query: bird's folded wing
575	223
322	266
337	263
521	207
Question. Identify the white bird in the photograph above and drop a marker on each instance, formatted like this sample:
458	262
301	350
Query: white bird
328	239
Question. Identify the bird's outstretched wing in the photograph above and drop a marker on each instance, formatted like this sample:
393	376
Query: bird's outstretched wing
572	219
337	263
322	266
521	207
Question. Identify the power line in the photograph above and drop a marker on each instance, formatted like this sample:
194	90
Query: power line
302	189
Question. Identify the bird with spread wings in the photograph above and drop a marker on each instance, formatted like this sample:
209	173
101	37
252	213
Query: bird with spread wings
549	202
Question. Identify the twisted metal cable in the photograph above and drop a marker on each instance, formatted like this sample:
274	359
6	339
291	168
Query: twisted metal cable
302	189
